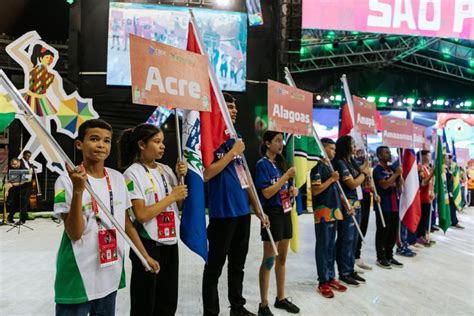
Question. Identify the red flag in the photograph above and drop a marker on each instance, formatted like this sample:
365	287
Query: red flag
213	127
410	204
346	121
378	119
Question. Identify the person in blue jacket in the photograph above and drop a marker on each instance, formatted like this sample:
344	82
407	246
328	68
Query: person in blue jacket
276	196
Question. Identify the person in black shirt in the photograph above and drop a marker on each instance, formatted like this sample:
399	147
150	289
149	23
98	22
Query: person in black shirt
351	177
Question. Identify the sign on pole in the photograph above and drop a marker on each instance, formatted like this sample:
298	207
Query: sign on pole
163	75
365	113
289	109
397	132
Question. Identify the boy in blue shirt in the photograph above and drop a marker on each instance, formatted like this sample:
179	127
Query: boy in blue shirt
327	211
228	231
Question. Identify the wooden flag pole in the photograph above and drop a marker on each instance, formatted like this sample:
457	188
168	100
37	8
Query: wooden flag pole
47	139
291	83
178	143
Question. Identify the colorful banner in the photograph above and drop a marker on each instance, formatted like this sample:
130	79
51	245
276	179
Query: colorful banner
44	92
289	109
166	76
419	137
433	18
397	132
365	116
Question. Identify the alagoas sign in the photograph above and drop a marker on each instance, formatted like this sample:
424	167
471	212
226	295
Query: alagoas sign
166	76
289	109
365	113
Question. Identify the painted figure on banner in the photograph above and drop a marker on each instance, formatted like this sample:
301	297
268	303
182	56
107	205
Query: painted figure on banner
43	91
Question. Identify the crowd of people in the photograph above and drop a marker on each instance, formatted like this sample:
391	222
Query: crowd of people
146	199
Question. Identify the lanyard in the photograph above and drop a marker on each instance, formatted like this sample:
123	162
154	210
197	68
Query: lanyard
95	207
155	188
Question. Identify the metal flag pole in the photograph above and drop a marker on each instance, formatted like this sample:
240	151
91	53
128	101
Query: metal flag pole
46	137
290	81
364	148
178	142
230	125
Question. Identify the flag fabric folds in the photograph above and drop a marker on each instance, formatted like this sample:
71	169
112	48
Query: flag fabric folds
410	204
7	111
302	153
193	219
213	127
456	180
441	189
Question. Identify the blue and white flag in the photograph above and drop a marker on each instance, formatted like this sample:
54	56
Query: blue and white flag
193	219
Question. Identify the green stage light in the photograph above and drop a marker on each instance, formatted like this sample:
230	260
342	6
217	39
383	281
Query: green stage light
338	98
371	99
438	102
328	47
304	52
446	53
471	62
468	103
331	35
383	99
410	101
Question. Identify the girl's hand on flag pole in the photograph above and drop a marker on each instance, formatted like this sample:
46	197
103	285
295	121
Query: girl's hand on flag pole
179	193
238	147
291	172
264	219
154	265
181	168
293	191
376	198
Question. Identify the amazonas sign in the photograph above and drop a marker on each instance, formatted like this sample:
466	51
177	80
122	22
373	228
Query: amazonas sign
166	76
434	18
419	137
397	132
289	109
365	113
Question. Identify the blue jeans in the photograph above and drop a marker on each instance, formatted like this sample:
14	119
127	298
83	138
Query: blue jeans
403	240
346	243
100	307
325	250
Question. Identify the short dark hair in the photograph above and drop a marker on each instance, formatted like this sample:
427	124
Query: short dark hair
424	152
26	152
327	141
94	123
228	98
380	148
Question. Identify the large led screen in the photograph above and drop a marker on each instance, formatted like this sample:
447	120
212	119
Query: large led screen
224	34
433	18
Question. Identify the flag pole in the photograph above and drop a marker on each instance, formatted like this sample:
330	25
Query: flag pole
364	147
178	142
230	125
45	137
291	82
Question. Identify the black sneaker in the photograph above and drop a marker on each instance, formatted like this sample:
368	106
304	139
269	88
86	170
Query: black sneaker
349	280
396	263
286	305
357	277
383	264
241	311
264	311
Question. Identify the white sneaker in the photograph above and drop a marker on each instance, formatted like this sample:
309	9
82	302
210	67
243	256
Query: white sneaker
361	264
358	270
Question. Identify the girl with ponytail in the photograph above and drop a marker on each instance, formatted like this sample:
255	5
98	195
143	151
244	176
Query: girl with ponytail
275	193
155	195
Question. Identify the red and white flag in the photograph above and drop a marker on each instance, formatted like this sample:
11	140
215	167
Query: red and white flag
410	204
214	130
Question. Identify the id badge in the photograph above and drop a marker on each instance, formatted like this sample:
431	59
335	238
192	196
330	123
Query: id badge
108	253
166	226
285	200
239	168
360	196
